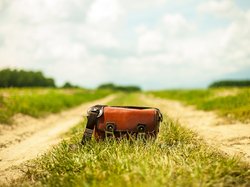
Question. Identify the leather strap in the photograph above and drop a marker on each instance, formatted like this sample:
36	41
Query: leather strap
92	120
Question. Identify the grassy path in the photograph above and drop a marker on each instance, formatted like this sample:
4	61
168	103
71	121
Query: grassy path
177	158
35	137
230	137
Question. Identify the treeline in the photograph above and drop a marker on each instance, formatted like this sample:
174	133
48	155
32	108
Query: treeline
69	85
22	78
114	87
230	83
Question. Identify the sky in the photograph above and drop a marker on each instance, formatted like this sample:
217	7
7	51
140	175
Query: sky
156	44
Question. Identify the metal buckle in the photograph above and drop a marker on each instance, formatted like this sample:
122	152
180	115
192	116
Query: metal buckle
96	109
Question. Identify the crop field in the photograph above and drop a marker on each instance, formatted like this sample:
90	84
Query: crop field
179	156
233	103
40	102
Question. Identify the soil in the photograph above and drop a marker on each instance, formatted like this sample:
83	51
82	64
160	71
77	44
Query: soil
232	138
30	137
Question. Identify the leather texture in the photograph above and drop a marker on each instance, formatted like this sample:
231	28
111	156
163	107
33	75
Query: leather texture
120	122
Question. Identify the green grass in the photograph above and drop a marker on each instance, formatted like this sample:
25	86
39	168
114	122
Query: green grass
231	103
176	158
40	102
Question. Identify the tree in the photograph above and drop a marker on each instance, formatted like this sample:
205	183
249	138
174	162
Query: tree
69	85
114	87
22	78
110	86
230	83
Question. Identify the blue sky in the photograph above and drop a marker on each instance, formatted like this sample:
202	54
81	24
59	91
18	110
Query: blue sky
156	44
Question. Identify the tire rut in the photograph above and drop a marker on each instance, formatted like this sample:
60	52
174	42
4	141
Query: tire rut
32	137
231	138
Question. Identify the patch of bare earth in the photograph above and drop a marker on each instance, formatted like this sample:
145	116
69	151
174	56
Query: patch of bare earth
231	138
225	93
31	137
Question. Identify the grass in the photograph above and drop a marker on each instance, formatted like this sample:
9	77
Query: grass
231	103
40	102
176	158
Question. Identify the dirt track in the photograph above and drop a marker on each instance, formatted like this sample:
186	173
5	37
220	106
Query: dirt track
232	139
31	137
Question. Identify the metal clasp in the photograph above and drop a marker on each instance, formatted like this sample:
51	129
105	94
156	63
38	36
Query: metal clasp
96	109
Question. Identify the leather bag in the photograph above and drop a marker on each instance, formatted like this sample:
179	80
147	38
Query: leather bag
122	122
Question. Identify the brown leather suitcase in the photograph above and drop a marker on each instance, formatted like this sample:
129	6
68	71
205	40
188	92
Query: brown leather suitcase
122	121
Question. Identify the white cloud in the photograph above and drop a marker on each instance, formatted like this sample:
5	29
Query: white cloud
97	38
216	53
142	4
104	13
41	30
102	23
88	71
40	11
170	27
236	43
222	8
175	24
149	41
76	41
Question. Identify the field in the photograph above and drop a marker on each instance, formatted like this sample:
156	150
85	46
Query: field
232	103
179	157
41	102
